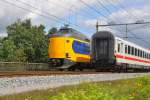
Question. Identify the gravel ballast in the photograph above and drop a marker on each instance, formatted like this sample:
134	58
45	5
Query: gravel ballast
23	84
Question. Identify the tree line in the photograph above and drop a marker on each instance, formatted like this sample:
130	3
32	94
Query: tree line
25	42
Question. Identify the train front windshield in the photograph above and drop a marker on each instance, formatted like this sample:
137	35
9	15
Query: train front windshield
64	31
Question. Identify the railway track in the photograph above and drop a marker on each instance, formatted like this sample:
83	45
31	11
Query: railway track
49	73
42	73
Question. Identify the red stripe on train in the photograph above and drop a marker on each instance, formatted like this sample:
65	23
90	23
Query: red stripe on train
131	58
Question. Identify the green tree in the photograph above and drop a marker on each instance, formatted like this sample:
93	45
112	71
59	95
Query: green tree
28	42
20	55
1	49
8	50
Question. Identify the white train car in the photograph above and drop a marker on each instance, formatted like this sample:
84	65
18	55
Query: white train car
111	51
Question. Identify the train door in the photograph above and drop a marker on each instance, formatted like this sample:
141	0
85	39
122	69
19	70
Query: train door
68	48
120	49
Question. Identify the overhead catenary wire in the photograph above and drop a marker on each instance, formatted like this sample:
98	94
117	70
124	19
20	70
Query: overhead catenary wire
130	23
29	10
45	14
99	2
129	13
92	8
61	19
54	18
108	11
144	41
36	8
66	8
135	23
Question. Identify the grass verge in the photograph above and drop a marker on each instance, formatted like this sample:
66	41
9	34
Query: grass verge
132	89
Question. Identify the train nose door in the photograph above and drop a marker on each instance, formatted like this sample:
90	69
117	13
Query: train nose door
102	50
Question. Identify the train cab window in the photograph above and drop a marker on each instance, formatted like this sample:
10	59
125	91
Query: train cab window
136	52
126	49
132	50
118	47
129	48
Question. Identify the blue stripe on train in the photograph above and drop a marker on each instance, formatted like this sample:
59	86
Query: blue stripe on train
81	48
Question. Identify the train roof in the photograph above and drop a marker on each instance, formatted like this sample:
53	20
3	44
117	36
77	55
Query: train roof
103	34
70	32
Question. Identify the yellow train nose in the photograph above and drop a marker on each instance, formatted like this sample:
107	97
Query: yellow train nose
56	48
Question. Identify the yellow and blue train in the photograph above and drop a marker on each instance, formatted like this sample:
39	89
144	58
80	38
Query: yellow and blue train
68	47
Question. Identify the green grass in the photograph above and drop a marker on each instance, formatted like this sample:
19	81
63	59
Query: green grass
132	89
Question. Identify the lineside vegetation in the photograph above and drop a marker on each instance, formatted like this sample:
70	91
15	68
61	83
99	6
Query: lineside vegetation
132	89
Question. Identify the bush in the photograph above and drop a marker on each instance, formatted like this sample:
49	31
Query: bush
139	89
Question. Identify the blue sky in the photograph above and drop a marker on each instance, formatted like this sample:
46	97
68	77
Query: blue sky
76	12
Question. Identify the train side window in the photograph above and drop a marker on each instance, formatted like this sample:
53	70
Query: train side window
146	55
149	56
129	50
126	49
132	50
118	47
140	53
136	52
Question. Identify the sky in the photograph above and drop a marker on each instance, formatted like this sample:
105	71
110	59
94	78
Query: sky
81	15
